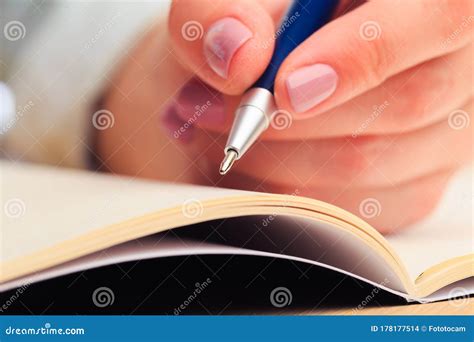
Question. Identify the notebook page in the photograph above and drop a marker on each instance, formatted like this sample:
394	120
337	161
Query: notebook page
62	204
96	201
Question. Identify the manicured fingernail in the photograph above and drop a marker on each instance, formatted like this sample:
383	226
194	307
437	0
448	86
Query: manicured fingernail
199	102
175	127
310	85
223	39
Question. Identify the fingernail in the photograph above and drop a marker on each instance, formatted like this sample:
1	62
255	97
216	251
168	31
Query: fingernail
199	102
174	127
310	85
223	39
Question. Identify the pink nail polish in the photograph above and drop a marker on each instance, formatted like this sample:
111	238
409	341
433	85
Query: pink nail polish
310	85
201	103
174	126
222	40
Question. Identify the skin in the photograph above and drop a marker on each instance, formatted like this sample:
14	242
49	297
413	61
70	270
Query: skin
420	67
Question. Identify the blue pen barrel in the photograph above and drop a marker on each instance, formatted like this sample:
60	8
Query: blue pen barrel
302	20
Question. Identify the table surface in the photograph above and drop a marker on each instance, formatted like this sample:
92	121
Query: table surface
462	306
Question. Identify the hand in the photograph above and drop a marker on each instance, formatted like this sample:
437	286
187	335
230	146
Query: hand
376	100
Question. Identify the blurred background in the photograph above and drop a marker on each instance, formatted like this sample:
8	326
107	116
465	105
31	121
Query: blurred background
56	59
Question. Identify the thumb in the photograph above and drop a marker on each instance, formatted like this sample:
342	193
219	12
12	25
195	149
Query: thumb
361	49
227	44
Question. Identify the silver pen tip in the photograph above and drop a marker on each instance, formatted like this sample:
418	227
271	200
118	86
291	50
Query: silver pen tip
230	157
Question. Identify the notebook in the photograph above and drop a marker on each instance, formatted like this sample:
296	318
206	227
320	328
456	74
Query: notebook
59	221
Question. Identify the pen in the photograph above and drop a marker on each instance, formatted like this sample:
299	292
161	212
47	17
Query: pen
252	117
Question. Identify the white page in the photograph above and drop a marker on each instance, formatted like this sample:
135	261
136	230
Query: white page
69	203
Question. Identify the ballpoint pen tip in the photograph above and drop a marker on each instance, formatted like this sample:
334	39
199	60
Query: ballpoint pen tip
230	157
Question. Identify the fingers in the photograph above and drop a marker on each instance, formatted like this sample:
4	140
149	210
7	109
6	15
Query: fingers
361	49
134	145
407	101
366	162
413	99
237	39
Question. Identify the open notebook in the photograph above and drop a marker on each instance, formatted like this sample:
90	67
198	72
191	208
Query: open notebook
58	221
